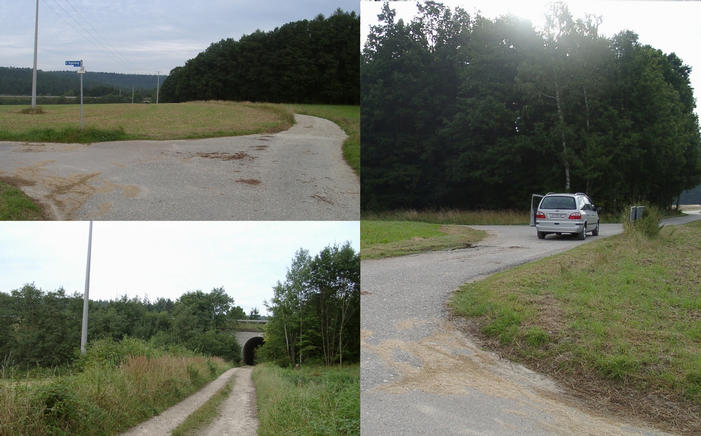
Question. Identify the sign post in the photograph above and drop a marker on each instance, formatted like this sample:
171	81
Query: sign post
81	71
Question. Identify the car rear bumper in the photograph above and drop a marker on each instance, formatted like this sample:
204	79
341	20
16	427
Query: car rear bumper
559	226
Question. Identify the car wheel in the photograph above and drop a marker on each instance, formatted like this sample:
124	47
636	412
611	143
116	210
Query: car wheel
541	235
583	234
595	232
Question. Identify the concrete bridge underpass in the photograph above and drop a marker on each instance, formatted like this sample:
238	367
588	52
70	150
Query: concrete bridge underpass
249	342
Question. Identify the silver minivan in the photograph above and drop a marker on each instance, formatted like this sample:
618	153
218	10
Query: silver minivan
565	213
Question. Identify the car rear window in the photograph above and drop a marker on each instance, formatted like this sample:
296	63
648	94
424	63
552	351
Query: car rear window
557	202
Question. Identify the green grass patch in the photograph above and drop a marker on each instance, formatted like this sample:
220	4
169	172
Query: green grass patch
114	387
15	205
113	122
250	326
308	401
348	117
616	318
203	416
380	239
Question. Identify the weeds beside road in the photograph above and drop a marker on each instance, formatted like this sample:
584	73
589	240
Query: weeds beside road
112	388
309	400
15	205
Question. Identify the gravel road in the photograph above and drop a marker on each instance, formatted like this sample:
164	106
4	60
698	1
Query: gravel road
421	375
298	174
238	414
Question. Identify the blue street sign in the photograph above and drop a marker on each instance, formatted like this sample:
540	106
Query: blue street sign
73	63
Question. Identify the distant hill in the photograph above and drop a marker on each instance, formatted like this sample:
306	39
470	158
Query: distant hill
692	196
18	81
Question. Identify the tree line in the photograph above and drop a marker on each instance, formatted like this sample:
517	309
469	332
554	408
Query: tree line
316	310
18	81
307	61
465	111
43	328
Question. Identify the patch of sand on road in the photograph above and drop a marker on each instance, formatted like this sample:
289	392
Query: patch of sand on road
448	363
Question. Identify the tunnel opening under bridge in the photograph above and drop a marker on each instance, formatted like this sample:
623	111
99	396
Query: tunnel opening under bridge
249	350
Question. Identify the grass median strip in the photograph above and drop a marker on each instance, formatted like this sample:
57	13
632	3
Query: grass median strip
616	319
397	238
203	416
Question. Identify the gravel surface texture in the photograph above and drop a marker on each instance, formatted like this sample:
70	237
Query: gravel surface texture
298	174
238	413
421	375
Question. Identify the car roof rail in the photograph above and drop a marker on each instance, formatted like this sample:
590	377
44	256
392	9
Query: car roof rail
580	193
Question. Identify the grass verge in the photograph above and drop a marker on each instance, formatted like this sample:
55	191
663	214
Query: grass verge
16	206
617	320
115	386
308	401
380	239
115	122
201	417
348	117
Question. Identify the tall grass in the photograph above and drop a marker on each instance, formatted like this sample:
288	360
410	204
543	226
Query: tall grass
308	401
117	386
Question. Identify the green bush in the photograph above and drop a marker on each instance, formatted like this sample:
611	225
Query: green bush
111	353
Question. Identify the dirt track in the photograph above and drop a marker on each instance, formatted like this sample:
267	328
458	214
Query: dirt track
298	174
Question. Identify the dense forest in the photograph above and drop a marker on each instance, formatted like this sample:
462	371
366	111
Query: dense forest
18	82
316	310
43	328
463	111
308	61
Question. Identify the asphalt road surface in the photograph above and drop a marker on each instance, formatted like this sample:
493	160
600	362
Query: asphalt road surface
421	375
298	174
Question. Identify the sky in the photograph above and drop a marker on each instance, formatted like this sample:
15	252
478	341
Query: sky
139	36
162	259
671	26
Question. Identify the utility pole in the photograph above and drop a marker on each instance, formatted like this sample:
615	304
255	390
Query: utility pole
82	73
132	95
84	329
158	82
34	72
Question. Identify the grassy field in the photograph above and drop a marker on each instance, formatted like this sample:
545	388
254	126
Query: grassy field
112	388
59	123
308	401
203	416
616	319
16	206
380	239
348	117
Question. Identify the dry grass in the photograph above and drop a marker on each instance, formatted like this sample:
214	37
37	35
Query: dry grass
150	121
452	216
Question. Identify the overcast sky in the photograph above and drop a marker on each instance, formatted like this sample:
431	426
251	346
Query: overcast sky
139	36
162	259
671	26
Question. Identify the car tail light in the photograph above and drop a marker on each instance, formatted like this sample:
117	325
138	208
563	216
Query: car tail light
575	216
540	215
